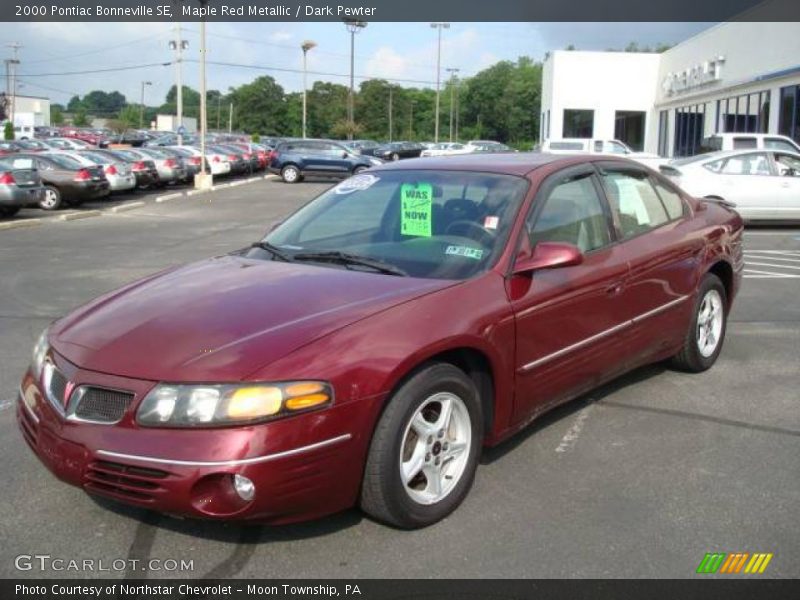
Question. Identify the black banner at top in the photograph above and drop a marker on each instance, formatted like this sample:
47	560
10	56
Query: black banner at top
399	10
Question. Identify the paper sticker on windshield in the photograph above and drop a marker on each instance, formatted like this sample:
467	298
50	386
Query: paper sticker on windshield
357	183
474	253
491	222
416	208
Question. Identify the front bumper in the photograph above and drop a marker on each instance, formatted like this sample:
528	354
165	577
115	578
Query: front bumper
302	467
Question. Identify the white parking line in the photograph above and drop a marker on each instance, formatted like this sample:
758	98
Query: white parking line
574	432
763	264
772	257
4	404
753	274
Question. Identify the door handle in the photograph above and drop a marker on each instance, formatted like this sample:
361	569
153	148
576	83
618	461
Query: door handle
614	289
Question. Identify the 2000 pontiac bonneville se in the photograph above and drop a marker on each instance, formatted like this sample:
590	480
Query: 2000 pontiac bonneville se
372	343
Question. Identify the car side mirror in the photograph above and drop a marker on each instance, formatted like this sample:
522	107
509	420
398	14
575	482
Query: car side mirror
549	255
345	155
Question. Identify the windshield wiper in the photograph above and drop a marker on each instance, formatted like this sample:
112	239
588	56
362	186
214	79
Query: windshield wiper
274	250
342	258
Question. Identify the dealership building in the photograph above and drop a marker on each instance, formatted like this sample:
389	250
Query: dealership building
734	77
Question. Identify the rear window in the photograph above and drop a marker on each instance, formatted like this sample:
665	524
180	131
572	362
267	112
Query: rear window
779	144
64	162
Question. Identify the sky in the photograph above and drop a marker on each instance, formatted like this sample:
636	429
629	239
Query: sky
405	52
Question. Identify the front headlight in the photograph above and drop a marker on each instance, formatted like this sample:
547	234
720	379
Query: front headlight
172	405
39	354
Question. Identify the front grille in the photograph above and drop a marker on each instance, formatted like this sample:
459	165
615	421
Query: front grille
101	405
125	482
58	387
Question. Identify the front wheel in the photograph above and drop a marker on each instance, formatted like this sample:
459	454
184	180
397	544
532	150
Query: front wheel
395	156
703	342
425	449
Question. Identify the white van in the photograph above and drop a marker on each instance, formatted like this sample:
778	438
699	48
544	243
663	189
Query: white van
600	146
749	141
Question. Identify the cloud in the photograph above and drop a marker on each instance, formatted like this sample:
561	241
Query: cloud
280	36
387	63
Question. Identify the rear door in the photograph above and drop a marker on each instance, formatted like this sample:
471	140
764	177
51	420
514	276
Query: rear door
568	319
787	169
663	249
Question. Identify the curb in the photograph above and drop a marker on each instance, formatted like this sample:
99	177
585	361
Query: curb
126	207
19	224
79	215
168	197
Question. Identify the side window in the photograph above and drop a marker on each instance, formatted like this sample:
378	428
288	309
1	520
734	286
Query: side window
788	165
672	201
43	166
778	144
747	164
634	201
572	213
744	143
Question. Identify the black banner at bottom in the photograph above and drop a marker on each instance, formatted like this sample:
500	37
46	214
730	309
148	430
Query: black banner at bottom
400	589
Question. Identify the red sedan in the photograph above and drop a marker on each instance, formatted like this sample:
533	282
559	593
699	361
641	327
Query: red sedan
366	349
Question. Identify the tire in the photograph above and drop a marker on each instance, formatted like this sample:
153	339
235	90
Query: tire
290	174
395	156
359	169
396	488
706	333
9	211
52	199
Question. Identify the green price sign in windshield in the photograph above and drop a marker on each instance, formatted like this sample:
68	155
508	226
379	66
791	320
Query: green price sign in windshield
416	201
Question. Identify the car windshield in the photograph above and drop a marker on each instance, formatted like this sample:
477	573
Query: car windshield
429	224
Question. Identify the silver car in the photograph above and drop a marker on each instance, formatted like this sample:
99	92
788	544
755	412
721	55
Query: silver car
171	169
119	175
20	185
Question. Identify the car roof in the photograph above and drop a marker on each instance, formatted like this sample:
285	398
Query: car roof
726	153
510	163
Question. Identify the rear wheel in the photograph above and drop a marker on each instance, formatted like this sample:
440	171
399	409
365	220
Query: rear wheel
703	342
424	450
290	174
395	156
52	198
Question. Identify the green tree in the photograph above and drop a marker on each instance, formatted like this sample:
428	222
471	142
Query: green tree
259	106
327	105
80	118
56	114
129	116
8	131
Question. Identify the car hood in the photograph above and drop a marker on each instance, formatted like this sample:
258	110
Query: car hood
222	319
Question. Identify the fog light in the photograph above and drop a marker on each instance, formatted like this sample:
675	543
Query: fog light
244	487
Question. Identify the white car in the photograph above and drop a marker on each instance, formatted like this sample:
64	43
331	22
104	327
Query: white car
119	174
446	149
600	146
218	163
764	185
749	141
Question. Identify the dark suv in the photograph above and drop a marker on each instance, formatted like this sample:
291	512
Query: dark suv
297	158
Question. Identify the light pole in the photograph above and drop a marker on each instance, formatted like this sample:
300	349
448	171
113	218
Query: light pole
178	46
452	72
411	121
305	47
11	67
141	106
203	180
391	132
353	26
438	26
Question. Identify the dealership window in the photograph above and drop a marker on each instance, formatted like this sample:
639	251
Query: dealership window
663	133
748	113
629	128
689	127
789	121
578	123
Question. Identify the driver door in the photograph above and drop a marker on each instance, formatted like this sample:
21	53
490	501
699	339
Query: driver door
568	320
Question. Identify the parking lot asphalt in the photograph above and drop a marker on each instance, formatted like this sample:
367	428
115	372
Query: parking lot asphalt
637	479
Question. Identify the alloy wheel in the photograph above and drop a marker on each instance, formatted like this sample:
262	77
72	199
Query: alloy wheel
709	323
435	448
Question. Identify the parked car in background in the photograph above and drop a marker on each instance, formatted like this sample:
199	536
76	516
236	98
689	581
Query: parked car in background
234	156
748	141
763	185
131	137
190	163
247	152
20	185
85	135
600	147
171	168
398	150
8	147
143	167
63	143
41	131
447	149
367	349
488	146
217	163
365	147
67	181
322	158
32	146
118	172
